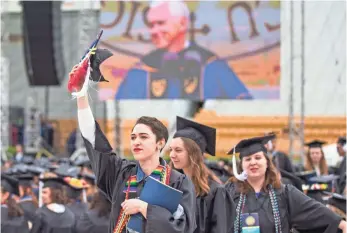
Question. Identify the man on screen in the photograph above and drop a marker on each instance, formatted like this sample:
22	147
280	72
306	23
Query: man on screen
178	68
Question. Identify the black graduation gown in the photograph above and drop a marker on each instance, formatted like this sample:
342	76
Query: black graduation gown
13	224
342	173
29	209
48	221
296	209
213	211
78	208
282	161
112	172
90	222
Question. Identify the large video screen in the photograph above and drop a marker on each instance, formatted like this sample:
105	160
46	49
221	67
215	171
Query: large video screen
191	50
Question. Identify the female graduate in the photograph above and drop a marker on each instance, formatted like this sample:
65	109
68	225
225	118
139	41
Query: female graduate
122	180
187	148
12	216
76	196
96	219
265	205
54	216
28	200
315	159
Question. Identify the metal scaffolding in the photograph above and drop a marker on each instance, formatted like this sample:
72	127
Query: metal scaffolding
86	34
4	85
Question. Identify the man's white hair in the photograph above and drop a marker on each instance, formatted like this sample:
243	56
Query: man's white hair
177	8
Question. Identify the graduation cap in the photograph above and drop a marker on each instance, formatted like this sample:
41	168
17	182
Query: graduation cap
9	184
64	161
74	187
338	201
25	179
27	159
95	61
82	162
306	175
66	170
315	144
52	182
204	136
36	170
248	147
89	178
341	140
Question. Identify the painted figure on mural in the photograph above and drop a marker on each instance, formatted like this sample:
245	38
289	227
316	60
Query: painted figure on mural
178	67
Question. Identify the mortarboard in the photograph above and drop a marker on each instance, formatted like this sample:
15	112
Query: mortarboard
52	182
90	178
315	144
66	170
341	140
74	187
248	147
36	170
95	61
27	159
9	184
306	175
82	162
204	136
338	201
25	179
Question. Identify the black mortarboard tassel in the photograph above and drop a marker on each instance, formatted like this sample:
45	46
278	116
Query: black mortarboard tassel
9	184
315	144
204	136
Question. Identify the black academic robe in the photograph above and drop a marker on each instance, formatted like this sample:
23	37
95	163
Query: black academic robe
297	211
48	221
90	222
29	209
12	224
78	208
112	172
341	185
282	161
213	211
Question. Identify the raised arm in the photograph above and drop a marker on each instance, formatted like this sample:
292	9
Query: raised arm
106	165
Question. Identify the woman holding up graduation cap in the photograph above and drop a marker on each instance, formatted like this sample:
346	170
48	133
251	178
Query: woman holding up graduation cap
265	205
187	148
315	159
122	180
12	216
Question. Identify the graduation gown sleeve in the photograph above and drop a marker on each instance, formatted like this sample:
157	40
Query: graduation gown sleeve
107	166
306	213
213	211
221	208
161	220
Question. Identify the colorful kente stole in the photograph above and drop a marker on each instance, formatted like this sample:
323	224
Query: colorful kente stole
161	173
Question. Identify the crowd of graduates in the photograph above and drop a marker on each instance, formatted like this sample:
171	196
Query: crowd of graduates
89	194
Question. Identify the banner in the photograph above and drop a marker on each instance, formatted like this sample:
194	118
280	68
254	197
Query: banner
191	50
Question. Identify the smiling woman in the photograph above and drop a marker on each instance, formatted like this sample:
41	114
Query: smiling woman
266	204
